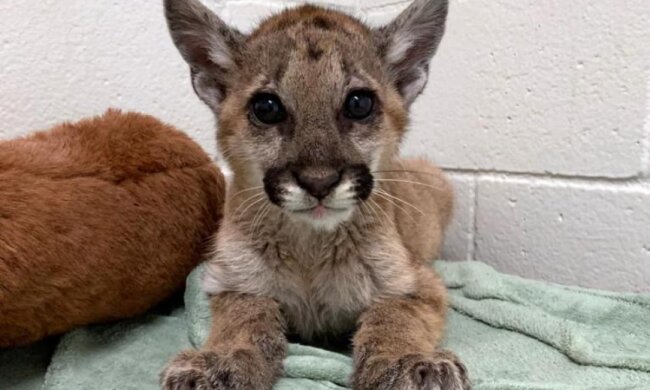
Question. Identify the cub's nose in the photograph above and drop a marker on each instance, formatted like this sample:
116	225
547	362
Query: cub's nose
318	183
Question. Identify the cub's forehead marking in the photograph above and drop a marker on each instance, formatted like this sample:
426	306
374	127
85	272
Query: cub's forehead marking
312	59
322	23
314	42
315	50
309	53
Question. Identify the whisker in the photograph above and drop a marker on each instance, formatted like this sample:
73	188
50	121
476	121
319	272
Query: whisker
396	205
408	171
378	218
380	191
254	197
257	213
249	198
374	212
246	190
260	217
388	219
251	205
268	211
362	214
410	182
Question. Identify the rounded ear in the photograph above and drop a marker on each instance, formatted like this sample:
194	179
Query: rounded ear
206	43
409	42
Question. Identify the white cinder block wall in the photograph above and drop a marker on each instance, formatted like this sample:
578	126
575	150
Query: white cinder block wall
539	110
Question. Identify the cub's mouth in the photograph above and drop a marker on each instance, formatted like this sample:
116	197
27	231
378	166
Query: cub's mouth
321	212
320	195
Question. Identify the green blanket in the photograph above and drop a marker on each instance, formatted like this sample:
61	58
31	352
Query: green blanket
512	334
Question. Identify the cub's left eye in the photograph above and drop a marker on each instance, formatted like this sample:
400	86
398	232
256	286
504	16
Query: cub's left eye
359	104
268	109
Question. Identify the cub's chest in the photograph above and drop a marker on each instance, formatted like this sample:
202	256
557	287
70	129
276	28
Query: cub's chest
325	289
322	285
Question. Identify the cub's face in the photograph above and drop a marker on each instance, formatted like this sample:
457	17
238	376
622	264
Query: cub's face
313	102
314	115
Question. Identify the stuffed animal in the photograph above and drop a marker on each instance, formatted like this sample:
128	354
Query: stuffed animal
99	221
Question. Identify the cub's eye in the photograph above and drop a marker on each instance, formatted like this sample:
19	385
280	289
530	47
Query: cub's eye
268	109
359	104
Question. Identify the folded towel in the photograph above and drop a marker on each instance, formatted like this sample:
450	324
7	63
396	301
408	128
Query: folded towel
521	334
512	333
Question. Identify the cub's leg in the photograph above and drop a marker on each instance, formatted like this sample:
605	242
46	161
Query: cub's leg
244	351
395	346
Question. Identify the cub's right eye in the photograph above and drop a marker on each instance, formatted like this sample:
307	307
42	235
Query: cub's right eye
267	108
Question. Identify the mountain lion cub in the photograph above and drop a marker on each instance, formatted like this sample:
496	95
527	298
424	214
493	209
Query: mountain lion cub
327	232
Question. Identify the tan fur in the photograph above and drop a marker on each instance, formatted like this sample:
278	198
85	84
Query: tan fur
99	220
245	347
367	269
378	254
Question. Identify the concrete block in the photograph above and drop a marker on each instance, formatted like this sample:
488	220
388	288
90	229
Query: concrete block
246	15
65	60
380	16
592	235
538	87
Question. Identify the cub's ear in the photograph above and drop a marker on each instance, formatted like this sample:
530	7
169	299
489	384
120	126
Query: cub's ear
408	43
207	44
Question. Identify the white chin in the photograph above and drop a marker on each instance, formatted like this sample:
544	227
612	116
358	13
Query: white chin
327	221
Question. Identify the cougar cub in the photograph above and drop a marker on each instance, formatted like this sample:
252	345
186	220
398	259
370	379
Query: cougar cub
326	230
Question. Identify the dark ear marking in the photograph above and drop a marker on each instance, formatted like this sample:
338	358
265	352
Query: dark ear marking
409	42
206	43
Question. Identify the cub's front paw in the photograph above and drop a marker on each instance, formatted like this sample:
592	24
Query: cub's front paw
442	370
195	370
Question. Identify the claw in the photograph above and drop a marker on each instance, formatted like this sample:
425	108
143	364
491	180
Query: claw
442	371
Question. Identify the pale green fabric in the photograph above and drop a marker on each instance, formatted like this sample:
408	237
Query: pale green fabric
512	333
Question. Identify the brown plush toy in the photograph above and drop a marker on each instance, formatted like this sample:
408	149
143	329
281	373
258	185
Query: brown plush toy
99	220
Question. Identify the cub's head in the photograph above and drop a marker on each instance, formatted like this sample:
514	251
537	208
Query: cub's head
311	103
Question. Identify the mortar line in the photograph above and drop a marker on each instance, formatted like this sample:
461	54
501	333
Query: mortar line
645	143
388	5
549	177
